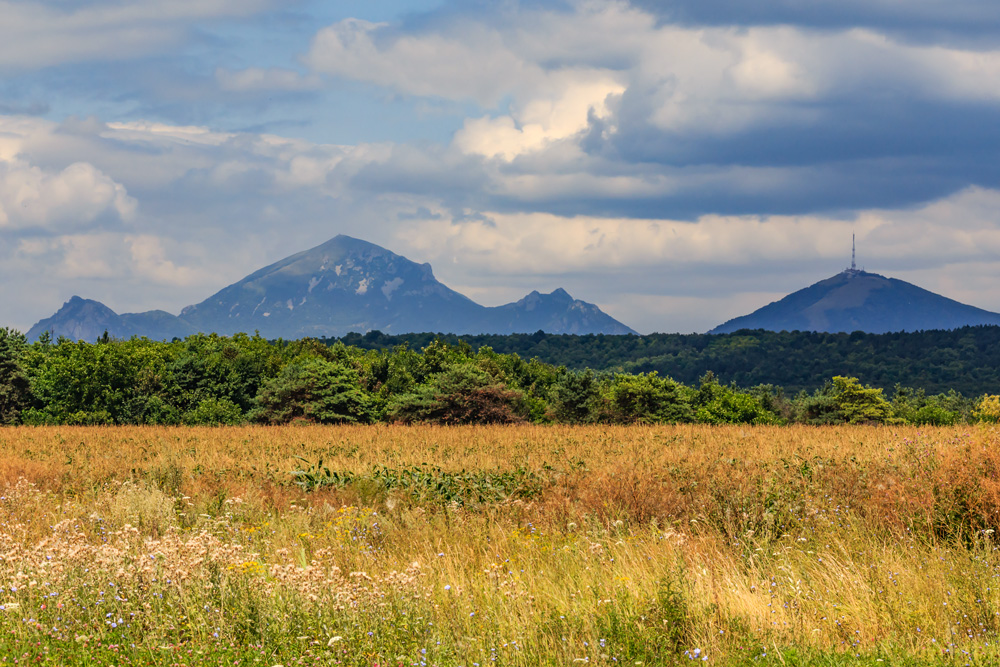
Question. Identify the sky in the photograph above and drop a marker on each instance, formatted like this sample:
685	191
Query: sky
677	162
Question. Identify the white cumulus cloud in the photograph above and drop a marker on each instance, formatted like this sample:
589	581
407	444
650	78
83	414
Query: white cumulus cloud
71	198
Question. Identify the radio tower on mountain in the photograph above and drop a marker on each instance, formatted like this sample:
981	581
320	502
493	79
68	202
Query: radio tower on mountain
854	266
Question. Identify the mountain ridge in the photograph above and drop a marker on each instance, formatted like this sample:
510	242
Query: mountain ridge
343	285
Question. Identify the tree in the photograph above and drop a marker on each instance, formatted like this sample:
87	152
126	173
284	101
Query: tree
314	390
15	389
574	397
858	404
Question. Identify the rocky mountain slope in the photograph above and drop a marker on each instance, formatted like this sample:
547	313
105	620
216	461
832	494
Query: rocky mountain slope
341	286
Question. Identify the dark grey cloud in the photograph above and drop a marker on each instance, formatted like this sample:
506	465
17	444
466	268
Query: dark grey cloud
918	20
853	154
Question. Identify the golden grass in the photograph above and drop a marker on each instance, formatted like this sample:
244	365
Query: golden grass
639	543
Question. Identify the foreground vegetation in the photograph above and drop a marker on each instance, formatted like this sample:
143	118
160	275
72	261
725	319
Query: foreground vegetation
218	380
526	545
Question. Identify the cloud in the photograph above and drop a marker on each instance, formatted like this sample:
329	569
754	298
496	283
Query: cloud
35	35
78	196
600	108
217	205
474	65
271	79
569	103
960	228
925	20
150	261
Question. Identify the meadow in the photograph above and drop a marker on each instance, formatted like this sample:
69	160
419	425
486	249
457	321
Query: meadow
499	545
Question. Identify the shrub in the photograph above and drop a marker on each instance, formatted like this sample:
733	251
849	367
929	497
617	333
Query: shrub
726	405
461	394
214	412
987	409
735	408
648	399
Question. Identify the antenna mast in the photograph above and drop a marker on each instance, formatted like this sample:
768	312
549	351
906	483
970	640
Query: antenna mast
854	267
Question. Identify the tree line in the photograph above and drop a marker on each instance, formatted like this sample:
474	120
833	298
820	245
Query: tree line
966	360
210	379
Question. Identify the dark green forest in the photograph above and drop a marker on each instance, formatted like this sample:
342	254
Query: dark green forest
209	379
966	360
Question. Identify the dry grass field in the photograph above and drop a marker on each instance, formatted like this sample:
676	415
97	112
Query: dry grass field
476	546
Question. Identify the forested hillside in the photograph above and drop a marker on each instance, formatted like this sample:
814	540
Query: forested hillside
966	360
221	380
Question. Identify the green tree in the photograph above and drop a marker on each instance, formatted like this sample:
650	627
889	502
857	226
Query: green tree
314	390
103	383
15	389
574	397
859	404
211	366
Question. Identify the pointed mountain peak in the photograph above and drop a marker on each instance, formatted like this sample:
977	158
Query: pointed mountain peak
78	319
78	303
340	286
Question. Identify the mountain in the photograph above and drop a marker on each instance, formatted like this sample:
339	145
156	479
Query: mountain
79	319
341	286
856	300
85	319
553	312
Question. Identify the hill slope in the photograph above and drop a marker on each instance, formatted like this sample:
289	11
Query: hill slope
861	301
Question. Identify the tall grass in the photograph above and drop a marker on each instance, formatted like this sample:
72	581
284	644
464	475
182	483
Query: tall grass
499	545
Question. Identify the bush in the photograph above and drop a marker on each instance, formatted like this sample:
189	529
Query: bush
845	400
987	409
461	394
214	412
726	405
649	399
735	408
934	415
